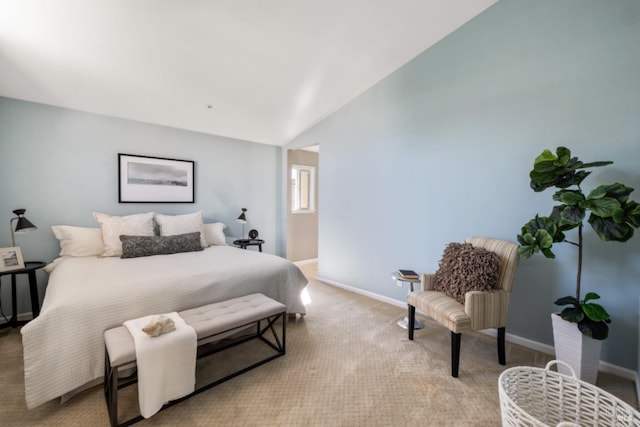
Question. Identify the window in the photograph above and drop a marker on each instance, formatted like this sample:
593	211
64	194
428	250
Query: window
303	194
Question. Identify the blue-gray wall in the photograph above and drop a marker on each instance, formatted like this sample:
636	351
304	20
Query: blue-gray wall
62	165
442	148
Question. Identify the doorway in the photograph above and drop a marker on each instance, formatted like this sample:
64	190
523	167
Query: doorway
302	203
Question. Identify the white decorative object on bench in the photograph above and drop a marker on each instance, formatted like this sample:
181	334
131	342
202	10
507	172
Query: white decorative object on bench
166	361
211	322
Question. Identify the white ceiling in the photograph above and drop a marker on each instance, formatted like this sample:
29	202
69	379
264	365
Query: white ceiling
257	70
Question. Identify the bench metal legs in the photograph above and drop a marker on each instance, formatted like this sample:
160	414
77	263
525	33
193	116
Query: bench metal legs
111	389
272	339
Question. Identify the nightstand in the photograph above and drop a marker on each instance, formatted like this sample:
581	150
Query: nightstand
243	243
30	270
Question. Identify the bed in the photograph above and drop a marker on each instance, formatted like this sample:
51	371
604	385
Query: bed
63	346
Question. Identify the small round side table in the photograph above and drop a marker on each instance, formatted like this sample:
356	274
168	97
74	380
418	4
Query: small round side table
243	243
403	322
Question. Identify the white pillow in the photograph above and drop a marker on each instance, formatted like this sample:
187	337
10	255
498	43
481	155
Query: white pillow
79	241
115	226
170	225
214	234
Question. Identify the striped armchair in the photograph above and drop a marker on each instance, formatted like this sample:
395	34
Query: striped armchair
481	309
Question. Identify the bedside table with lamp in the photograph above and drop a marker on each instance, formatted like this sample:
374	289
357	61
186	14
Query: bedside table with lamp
253	234
12	264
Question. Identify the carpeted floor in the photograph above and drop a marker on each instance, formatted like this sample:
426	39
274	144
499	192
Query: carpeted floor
347	364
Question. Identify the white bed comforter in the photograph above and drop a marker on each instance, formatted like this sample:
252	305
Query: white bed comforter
64	345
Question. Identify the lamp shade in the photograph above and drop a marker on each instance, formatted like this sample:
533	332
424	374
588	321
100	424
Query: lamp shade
242	219
23	225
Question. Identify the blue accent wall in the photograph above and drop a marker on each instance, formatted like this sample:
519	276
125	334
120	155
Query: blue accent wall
441	150
62	165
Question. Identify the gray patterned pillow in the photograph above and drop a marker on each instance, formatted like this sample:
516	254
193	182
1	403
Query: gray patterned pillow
139	246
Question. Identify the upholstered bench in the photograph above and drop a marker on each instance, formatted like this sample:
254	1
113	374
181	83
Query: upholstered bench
212	323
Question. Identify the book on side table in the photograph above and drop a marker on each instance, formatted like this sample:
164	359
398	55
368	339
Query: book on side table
408	274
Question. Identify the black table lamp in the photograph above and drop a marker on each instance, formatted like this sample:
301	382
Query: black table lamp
23	225
242	219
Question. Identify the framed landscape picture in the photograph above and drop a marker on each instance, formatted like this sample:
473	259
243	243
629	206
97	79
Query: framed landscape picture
11	259
143	179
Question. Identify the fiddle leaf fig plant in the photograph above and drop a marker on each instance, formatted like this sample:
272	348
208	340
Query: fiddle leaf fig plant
612	216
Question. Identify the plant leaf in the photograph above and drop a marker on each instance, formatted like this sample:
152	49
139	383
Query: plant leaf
580	176
568	179
617	191
632	214
538	234
547	253
545	156
586	328
595	330
607	229
596	164
595	312
540	223
568	300
571	216
522	240
526	251
544	239
597	193
556	217
544	167
573	315
605	207
544	175
591	296
564	155
569	197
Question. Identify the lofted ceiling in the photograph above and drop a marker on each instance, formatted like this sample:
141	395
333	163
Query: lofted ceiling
256	70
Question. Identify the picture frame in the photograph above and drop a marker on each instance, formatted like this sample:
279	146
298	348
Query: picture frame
145	179
11	259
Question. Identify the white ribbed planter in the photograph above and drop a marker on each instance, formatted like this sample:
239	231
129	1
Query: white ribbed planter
580	352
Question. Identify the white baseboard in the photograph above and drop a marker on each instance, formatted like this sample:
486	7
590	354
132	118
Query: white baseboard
306	261
515	339
548	349
359	291
524	342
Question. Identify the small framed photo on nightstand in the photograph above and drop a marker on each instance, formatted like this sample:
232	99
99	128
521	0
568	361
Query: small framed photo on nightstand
11	259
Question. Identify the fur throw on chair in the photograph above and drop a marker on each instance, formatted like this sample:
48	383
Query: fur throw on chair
465	268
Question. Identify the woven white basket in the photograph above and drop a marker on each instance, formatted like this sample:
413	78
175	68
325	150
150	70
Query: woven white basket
542	397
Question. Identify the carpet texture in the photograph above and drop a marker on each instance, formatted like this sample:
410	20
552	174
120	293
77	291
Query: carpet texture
347	364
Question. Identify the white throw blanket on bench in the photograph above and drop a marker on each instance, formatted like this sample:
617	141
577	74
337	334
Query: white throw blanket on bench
166	363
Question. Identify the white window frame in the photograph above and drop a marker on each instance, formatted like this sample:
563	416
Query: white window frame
297	191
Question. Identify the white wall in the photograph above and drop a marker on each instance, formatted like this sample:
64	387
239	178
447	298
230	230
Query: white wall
441	150
62	165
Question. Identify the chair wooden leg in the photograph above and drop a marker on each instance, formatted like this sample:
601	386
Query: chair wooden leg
455	353
501	352
412	319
